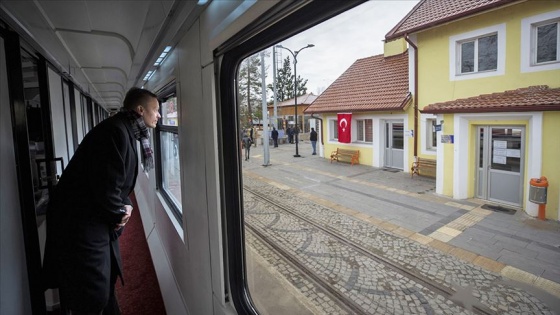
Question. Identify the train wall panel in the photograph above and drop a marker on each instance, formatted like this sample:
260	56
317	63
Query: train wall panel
145	198
170	291
14	287
193	173
163	235
213	186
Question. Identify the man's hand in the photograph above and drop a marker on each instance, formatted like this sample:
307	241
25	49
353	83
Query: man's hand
125	217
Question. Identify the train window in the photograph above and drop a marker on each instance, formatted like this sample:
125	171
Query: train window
306	236
290	253
168	170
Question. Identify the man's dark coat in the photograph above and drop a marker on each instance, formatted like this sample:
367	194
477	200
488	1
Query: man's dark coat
84	211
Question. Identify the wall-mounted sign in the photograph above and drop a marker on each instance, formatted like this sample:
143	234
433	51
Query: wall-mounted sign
447	139
437	128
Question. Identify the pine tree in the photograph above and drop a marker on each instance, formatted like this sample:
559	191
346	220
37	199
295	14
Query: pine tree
249	90
285	82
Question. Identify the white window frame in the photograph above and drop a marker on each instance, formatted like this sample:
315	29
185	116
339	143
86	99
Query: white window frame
426	136
529	40
333	125
363	131
455	53
430	126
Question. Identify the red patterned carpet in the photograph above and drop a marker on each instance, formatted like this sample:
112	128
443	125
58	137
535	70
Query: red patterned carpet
140	294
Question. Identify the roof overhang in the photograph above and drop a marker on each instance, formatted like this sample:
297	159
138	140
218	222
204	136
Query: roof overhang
529	99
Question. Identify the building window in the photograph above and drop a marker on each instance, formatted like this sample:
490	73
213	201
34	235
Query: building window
477	54
546	43
540	42
364	130
333	132
480	54
431	135
168	170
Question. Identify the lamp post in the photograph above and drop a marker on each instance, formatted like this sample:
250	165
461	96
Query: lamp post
294	54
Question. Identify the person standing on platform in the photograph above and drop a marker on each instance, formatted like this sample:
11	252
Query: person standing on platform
251	136
90	207
247	144
290	135
313	139
274	135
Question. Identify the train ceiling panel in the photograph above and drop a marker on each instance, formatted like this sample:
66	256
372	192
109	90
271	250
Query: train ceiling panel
106	47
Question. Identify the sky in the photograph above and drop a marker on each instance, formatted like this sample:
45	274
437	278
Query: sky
355	34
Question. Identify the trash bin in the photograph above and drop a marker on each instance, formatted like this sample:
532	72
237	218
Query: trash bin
537	194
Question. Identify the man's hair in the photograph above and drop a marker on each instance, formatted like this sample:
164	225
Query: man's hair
137	96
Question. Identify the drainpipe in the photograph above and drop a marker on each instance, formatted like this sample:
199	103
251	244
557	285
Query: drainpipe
407	39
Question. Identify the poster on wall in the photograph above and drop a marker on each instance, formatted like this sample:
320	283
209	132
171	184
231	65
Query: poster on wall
447	139
344	127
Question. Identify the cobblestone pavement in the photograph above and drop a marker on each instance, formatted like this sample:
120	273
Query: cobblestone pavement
503	251
373	286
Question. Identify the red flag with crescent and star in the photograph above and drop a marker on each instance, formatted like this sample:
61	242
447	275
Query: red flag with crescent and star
344	127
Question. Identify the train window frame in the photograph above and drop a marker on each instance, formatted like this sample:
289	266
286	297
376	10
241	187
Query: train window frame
161	129
282	21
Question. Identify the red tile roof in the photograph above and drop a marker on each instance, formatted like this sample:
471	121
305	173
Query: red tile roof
370	84
533	98
305	99
430	13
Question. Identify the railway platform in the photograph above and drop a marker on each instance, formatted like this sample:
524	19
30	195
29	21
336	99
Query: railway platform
501	241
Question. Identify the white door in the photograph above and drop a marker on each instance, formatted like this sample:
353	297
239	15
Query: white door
500	164
394	144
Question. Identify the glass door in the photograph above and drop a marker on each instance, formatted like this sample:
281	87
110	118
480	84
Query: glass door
500	164
394	144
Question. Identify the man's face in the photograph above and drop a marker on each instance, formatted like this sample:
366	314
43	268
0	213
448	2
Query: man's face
150	113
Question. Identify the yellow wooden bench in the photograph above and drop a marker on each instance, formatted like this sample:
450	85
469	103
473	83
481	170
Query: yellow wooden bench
352	155
426	166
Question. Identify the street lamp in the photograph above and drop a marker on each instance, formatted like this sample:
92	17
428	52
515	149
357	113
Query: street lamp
294	54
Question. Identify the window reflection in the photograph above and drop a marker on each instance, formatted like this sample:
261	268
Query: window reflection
547	42
169	112
506	149
398	136
171	175
168	171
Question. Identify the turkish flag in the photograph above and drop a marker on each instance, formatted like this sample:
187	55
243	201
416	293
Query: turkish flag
344	127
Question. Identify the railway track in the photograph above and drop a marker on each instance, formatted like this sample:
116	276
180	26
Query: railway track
341	297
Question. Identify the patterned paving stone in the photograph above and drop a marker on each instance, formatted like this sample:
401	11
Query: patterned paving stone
371	284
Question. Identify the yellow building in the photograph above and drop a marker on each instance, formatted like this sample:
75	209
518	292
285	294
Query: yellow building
487	89
473	87
376	92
